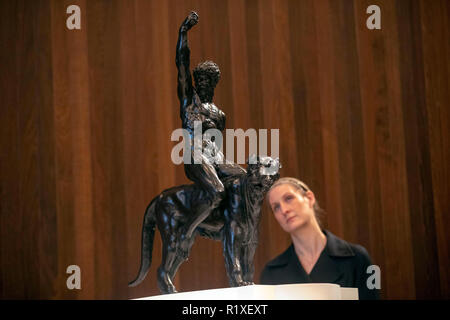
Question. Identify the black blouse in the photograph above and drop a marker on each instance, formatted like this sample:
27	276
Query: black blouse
340	262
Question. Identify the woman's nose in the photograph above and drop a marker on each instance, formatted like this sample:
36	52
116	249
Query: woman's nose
284	208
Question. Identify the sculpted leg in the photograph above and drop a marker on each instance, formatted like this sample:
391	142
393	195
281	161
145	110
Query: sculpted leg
182	254
231	254
164	278
247	253
165	284
229	169
205	178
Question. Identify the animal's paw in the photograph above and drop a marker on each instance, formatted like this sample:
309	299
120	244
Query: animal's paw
245	283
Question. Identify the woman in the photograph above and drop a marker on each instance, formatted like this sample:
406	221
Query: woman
316	255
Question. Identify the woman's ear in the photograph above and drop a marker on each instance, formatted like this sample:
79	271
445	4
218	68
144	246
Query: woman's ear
311	198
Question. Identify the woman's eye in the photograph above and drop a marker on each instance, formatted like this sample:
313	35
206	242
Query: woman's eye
289	198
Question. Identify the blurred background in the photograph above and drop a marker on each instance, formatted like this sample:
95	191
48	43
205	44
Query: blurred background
86	117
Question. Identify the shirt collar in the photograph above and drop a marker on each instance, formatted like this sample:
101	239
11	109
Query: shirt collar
335	247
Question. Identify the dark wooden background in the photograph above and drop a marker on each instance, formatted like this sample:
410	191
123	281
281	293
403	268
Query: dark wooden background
86	119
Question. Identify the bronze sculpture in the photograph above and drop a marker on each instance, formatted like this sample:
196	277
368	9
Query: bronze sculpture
224	203
196	105
234	222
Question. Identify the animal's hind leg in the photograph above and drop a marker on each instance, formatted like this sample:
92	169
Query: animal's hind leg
182	254
164	278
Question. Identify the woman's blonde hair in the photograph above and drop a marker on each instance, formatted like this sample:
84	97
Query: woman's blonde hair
303	187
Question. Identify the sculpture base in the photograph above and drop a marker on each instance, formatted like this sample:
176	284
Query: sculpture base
308	291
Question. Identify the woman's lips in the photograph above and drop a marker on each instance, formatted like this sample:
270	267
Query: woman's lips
290	219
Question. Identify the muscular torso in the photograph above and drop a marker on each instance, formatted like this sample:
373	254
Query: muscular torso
208	113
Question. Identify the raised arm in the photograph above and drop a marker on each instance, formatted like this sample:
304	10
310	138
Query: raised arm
185	89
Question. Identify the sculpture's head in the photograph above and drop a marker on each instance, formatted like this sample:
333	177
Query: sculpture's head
263	171
206	77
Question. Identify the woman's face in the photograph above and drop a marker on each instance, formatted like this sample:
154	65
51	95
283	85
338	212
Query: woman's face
291	209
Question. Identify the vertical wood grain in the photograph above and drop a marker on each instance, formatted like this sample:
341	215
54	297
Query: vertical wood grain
417	151
435	35
12	283
86	117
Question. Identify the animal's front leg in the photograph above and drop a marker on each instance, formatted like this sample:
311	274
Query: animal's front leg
247	253
231	243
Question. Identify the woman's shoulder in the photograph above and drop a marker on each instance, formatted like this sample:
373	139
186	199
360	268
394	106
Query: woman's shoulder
359	250
342	248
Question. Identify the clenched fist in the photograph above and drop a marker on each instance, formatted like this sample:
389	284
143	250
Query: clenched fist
190	21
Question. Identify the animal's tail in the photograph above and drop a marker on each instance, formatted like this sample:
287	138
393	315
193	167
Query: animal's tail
148	235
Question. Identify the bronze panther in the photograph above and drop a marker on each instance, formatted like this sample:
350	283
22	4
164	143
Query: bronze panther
234	222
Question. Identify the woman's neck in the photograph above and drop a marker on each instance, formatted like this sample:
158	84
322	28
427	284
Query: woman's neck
309	240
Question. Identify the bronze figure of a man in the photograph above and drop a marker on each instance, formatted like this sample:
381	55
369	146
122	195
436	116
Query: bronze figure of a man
196	104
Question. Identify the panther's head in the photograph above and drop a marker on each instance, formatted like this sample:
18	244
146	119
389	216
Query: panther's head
263	171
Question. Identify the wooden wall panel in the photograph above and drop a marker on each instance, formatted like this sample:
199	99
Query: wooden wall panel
325	83
12	283
417	151
86	119
372	88
435	34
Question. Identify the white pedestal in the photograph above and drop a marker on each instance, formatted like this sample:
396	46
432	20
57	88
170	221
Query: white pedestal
313	291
